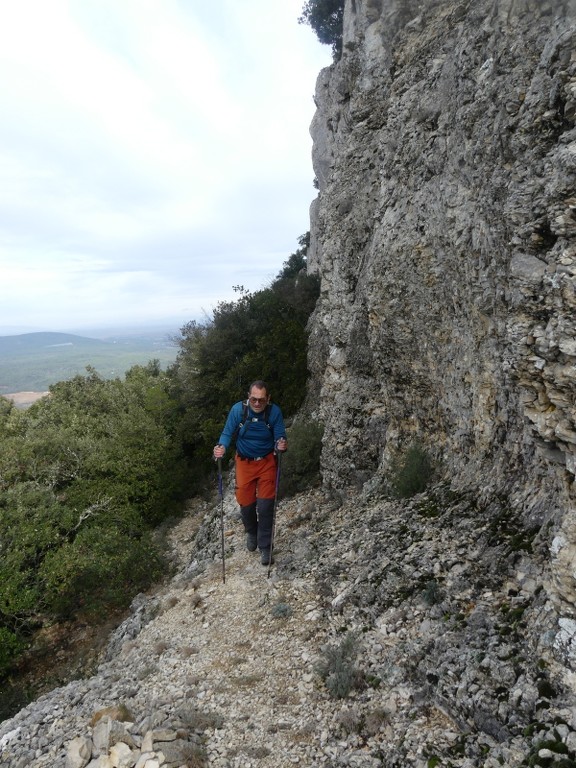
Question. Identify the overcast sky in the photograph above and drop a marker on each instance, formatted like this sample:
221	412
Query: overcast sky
153	154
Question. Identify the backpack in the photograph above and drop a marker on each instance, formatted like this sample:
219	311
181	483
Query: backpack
243	423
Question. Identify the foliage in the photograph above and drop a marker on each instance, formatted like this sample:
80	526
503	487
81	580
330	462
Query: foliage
326	17
432	593
301	463
281	611
85	474
10	647
260	335
89	473
91	572
411	473
337	667
296	263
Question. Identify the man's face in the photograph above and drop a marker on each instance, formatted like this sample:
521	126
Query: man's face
258	399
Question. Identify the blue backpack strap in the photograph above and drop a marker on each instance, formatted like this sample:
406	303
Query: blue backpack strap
267	416
244	422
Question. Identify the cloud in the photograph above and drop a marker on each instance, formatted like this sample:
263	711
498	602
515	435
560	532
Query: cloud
153	154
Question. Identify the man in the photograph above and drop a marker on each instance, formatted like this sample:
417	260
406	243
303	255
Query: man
258	426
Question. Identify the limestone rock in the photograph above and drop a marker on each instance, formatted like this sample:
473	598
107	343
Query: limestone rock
444	235
79	752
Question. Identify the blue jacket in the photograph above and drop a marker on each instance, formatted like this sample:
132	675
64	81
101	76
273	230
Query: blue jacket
254	438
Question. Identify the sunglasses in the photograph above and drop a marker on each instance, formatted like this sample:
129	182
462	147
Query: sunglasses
259	400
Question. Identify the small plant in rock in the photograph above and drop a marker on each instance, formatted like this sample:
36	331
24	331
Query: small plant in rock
411	472
281	611
194	756
161	647
246	681
350	721
257	753
197	720
374	721
189	650
432	594
559	752
146	671
337	667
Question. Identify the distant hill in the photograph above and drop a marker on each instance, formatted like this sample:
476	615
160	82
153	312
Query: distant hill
34	361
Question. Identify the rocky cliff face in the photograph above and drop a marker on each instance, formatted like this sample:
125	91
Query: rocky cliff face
444	233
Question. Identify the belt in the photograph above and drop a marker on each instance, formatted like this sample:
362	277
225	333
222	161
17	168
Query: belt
252	458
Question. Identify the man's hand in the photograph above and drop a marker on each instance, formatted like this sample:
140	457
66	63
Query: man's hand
219	451
281	445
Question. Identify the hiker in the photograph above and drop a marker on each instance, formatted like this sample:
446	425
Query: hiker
258	426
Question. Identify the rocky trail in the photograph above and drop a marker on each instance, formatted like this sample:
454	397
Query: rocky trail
396	634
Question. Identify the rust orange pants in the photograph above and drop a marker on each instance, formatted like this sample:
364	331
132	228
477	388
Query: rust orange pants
255	479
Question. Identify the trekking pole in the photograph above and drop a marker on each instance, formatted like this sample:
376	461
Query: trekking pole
274	512
221	492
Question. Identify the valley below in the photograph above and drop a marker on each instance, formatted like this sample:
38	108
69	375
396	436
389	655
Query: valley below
31	362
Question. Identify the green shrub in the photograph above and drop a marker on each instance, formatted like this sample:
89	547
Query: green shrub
101	568
84	475
281	611
337	668
261	335
411	473
432	593
10	647
301	463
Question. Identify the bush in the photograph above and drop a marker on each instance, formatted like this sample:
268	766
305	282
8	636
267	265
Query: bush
261	335
411	473
281	611
337	668
301	463
84	476
100	569
10	647
432	594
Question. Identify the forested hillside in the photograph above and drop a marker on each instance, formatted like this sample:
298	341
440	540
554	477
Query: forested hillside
91	475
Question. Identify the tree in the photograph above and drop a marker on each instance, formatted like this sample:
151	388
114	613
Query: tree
326	17
262	334
85	475
296	264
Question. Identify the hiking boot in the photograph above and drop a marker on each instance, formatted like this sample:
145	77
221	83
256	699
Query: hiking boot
266	558
251	542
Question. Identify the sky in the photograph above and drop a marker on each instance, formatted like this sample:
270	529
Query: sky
154	154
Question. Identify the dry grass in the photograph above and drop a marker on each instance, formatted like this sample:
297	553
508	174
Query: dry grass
189	650
160	647
245	681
